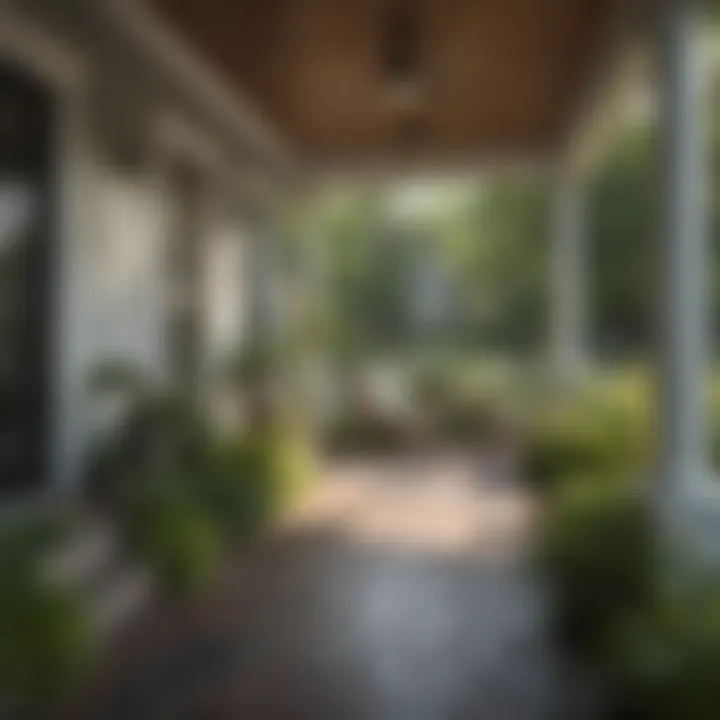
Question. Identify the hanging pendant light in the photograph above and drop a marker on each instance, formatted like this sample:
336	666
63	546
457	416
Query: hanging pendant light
402	71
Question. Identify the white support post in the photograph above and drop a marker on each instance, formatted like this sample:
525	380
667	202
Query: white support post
685	255
568	281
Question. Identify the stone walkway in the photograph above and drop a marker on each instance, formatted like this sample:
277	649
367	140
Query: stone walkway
402	591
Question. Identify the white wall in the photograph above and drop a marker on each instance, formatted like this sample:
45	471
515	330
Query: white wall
113	298
130	273
111	277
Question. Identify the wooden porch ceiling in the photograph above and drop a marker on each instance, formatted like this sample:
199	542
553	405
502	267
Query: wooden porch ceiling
495	78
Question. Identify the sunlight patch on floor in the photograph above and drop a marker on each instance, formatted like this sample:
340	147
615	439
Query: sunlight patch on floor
441	506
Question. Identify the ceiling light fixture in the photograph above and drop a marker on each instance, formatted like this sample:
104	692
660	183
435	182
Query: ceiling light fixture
402	70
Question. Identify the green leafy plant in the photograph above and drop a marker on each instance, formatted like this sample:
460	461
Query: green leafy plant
46	645
24	538
596	550
281	459
176	537
233	490
179	491
586	440
665	660
159	433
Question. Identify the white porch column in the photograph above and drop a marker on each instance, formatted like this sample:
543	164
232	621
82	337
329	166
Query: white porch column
568	280
684	250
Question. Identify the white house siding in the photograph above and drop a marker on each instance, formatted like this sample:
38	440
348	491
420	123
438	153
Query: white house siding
114	224
112	296
130	275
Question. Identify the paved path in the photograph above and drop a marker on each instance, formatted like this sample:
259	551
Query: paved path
402	591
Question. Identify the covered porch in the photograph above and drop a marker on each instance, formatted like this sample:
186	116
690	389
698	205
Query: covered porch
378	91
152	152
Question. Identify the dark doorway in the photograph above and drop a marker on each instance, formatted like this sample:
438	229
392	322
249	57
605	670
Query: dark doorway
25	233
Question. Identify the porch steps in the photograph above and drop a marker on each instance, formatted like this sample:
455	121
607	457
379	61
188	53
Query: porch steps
92	563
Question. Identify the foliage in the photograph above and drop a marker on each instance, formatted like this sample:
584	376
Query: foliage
231	492
503	268
178	490
247	481
665	660
160	432
603	438
493	249
560	447
24	538
175	536
179	523
280	458
621	241
596	550
46	645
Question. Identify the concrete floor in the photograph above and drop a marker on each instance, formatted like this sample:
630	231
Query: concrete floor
401	591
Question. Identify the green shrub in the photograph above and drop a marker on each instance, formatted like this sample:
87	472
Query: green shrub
596	550
170	531
234	491
45	642
665	661
247	481
24	539
46	646
282	462
557	447
586	440
160	433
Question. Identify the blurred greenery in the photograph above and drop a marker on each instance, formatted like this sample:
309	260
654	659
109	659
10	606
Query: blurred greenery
46	643
664	661
46	647
488	246
182	490
180	541
596	548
